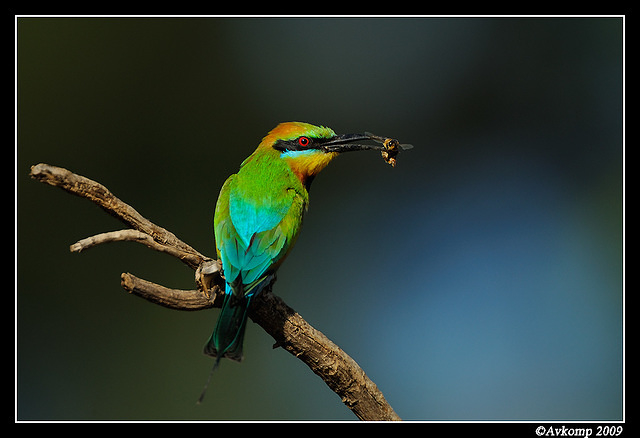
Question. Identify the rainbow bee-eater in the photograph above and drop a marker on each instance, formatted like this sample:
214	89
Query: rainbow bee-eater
259	214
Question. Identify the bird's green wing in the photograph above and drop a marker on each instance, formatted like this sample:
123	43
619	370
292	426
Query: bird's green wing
256	223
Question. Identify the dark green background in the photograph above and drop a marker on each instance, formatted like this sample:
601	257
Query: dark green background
481	279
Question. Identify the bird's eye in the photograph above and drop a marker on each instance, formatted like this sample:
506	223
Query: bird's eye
304	141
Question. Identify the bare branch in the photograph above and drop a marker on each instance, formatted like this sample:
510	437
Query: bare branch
171	298
116	236
290	331
97	193
338	370
136	236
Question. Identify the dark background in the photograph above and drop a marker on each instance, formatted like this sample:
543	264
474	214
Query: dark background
481	279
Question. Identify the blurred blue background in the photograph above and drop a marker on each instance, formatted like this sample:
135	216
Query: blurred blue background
481	279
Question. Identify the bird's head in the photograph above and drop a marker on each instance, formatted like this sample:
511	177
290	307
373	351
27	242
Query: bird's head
308	148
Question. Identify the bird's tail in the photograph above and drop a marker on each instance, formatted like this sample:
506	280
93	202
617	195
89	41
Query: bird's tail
227	337
226	340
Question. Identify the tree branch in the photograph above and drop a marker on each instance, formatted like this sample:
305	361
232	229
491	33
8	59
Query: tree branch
290	331
171	298
97	193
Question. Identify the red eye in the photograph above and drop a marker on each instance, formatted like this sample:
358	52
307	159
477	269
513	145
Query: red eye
304	141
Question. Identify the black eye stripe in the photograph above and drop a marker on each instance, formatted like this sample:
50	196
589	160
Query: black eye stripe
296	144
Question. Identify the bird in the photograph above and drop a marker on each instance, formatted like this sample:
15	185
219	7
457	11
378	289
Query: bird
258	217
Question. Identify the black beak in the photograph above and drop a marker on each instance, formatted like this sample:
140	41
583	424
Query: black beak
344	143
